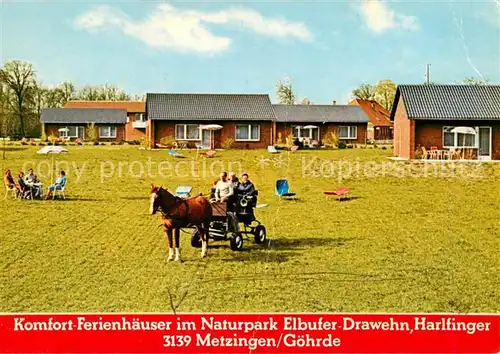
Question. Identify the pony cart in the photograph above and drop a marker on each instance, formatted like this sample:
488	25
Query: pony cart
225	223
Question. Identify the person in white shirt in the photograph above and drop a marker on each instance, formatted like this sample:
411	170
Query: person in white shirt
224	188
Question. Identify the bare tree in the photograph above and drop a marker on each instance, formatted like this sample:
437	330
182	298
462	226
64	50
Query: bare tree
474	81
285	92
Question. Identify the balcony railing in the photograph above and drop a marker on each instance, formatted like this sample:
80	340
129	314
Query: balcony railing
139	124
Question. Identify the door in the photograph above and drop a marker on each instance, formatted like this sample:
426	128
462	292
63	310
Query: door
206	136
484	143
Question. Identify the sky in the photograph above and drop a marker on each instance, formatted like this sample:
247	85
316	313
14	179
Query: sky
326	48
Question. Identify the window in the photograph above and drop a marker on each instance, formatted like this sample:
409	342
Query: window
453	139
72	132
248	132
187	132
139	117
107	132
348	132
300	132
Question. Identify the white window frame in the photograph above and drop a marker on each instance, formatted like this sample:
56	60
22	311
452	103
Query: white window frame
349	137
142	117
297	129
186	134
249	126
109	136
455	138
64	134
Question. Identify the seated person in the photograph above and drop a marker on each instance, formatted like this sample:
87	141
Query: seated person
212	191
23	190
31	179
245	187
60	183
234	180
8	180
224	189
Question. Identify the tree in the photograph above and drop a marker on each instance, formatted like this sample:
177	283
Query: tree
67	92
285	92
365	92
474	81
19	78
305	101
102	93
385	93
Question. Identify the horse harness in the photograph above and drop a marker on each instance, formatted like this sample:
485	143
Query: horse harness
175	217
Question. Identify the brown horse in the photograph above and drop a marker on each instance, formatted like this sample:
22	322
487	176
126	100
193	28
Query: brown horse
180	213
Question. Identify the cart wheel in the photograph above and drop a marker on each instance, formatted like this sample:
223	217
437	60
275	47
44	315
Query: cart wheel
196	239
260	234
236	242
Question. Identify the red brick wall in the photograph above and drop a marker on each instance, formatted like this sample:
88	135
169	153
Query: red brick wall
52	129
228	131
131	133
324	129
404	132
430	133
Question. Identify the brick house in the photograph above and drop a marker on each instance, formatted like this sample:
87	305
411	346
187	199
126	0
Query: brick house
74	123
246	119
429	115
380	127
315	122
135	128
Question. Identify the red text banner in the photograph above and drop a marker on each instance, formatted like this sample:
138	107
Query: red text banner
249	333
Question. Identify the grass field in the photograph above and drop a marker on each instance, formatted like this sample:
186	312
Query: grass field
427	242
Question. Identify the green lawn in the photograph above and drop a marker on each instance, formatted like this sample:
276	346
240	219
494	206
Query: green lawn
426	242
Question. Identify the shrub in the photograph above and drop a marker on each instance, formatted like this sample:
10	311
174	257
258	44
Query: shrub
41	144
419	154
91	133
289	141
331	140
44	138
384	147
350	146
228	143
96	143
145	143
342	145
167	141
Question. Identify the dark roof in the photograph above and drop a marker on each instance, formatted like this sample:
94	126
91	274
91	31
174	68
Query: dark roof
129	106
463	102
83	116
196	106
320	113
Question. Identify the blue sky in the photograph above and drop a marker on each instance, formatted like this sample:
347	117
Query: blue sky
326	48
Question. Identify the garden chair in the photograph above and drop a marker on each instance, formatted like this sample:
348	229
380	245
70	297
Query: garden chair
174	153
283	189
183	191
340	193
272	149
60	190
209	153
12	190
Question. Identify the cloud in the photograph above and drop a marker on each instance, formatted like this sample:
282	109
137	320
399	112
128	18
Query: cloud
380	18
186	30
